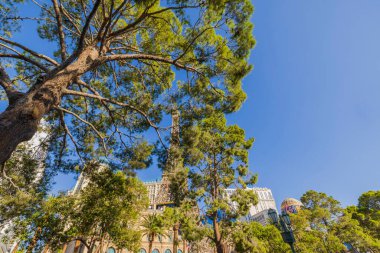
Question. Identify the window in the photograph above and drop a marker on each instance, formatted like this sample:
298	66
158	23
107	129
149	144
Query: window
155	251
111	250
168	251
170	237
179	251
142	251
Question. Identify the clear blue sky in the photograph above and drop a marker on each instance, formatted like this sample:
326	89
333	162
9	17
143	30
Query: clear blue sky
313	98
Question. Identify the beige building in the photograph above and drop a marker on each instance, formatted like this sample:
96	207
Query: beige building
259	212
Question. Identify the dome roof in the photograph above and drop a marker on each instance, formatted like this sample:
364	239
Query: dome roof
291	205
291	202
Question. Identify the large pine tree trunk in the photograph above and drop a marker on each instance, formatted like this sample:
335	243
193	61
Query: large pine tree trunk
220	247
19	122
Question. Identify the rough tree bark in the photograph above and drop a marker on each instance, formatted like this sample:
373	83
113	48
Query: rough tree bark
220	247
19	122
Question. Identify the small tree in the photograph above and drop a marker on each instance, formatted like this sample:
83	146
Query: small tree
218	156
349	231
252	237
313	237
324	226
152	226
23	187
107	209
367	212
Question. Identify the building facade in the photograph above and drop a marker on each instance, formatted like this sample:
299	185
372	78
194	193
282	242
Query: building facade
259	212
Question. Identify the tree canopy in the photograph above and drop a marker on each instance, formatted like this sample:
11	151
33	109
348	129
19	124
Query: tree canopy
367	212
117	68
217	155
324	226
107	209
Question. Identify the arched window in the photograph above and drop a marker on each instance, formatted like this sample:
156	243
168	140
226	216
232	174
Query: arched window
179	251
170	236
168	251
142	251
155	251
111	250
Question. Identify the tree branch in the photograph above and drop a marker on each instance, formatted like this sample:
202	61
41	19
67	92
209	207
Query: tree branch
86	122
24	58
135	23
38	55
190	44
69	18
81	40
5	82
154	126
62	119
87	25
147	57
145	14
60	29
6	177
110	113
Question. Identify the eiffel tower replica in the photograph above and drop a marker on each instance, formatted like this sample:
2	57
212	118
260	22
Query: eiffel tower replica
161	190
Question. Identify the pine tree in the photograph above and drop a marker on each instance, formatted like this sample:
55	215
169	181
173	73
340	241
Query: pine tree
218	156
367	212
115	69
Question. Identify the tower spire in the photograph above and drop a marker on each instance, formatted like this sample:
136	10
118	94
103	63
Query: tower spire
173	152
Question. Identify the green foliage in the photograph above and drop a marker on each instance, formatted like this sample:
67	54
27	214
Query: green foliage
8	10
324	226
108	208
23	185
111	204
349	230
187	217
367	212
324	209
153	225
218	158
252	237
312	236
206	43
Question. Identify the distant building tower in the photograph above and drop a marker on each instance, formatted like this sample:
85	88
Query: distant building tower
259	212
291	205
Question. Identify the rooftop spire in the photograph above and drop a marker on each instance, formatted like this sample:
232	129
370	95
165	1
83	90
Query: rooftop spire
173	152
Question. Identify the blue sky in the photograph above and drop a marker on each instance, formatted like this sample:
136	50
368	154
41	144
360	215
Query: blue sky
313	98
